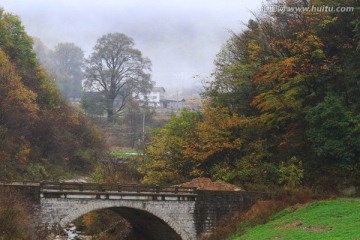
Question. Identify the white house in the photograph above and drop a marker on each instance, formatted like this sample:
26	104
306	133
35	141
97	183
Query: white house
154	98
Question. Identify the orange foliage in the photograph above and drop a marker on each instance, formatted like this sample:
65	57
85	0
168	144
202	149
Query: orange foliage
19	112
89	219
215	134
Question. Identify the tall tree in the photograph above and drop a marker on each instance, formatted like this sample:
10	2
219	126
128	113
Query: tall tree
68	64
117	70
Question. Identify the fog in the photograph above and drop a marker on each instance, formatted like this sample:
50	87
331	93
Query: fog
180	37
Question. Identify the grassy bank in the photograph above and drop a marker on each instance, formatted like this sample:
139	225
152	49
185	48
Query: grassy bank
334	219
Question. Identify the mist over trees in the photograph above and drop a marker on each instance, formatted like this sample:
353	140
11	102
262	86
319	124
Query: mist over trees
65	64
68	65
282	109
114	73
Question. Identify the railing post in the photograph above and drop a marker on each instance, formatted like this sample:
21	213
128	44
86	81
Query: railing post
81	187
138	188
61	186
176	190
157	189
119	188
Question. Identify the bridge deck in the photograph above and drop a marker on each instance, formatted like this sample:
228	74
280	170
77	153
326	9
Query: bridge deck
115	191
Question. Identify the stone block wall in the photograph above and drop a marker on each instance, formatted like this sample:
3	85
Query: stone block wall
212	206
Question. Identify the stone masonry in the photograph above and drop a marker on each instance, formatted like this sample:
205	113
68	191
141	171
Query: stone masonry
178	215
166	217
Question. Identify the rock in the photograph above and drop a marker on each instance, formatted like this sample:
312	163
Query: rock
349	192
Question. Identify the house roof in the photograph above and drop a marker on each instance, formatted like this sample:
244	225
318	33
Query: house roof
158	89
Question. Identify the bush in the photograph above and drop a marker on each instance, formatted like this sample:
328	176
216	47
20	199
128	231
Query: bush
15	218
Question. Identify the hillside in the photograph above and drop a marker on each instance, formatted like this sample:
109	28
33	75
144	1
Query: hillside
42	136
335	219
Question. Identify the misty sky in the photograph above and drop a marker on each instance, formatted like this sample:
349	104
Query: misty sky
181	37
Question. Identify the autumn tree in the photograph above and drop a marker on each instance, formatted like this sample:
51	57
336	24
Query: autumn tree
296	67
39	131
210	143
282	104
164	159
117	70
235	65
18	112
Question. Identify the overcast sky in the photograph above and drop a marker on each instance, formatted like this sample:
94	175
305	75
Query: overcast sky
181	37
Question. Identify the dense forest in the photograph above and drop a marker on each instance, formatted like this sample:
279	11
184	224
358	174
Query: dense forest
283	108
42	136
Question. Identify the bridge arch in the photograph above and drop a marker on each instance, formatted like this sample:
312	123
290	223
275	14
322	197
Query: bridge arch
190	214
128	210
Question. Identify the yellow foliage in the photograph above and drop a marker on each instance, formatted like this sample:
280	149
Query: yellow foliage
22	155
254	50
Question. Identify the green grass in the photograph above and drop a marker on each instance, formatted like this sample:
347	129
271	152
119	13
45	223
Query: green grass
123	153
333	220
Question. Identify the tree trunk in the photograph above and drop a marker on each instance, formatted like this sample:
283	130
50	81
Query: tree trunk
110	110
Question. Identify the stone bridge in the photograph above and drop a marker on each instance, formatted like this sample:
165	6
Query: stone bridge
155	213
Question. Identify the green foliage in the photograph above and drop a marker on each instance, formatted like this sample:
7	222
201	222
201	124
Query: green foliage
16	43
291	173
235	66
334	131
93	103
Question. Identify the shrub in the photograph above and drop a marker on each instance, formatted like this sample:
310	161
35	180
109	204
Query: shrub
15	218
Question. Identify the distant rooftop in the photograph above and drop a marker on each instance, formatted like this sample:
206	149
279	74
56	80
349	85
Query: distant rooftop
158	89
